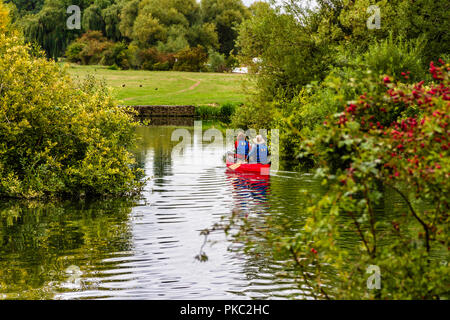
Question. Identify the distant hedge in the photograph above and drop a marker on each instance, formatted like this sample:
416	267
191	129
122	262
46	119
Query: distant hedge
223	112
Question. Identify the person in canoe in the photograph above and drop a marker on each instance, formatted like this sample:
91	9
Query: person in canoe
259	152
242	148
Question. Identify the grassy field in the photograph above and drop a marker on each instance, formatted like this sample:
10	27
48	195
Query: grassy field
136	87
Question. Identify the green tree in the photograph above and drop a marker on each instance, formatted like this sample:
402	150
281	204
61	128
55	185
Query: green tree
225	15
147	30
111	17
58	137
191	59
203	34
27	6
4	18
128	15
48	28
92	19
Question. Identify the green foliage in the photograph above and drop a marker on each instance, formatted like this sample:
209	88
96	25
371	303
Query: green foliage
173	88
111	18
48	28
225	15
322	79
393	57
151	59
224	112
116	55
227	110
394	138
216	62
5	19
169	26
191	59
73	52
207	112
173	44
92	19
128	15
204	34
147	29
45	238
27	6
90	48
58	138
299	46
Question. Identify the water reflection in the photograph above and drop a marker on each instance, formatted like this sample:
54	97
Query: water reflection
38	242
249	191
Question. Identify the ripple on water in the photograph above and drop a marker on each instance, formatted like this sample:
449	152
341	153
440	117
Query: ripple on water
186	195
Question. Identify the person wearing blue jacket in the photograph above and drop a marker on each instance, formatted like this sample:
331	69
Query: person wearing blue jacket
259	152
242	148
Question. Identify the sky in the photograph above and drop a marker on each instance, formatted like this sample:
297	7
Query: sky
248	2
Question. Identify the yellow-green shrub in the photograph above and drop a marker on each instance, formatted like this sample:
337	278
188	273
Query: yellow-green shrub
57	137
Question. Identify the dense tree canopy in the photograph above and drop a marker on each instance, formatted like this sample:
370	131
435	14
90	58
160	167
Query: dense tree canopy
225	15
27	6
170	25
298	45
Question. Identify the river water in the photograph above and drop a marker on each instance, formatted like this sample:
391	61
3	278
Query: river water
145	249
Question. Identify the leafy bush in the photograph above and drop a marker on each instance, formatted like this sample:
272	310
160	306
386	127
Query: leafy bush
231	62
161	66
191	59
395	57
223	112
73	52
216	62
89	48
152	59
116	55
392	139
227	110
207	112
58	138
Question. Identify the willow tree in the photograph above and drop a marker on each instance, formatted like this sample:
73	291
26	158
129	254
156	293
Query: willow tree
128	15
49	29
93	19
111	17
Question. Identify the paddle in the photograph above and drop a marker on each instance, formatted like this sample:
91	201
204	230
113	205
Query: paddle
234	166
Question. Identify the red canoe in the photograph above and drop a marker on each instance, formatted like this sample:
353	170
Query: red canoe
262	169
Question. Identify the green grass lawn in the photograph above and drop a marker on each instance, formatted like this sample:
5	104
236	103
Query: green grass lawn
137	87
